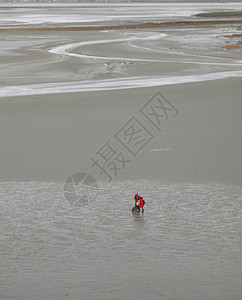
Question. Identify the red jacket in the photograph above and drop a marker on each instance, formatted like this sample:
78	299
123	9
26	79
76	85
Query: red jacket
136	197
141	202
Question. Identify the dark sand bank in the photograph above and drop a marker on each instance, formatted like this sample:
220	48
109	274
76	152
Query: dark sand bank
126	26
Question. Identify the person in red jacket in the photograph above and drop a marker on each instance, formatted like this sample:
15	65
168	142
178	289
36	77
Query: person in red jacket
141	204
136	198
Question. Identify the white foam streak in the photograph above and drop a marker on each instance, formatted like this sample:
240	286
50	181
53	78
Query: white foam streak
64	49
161	149
110	84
